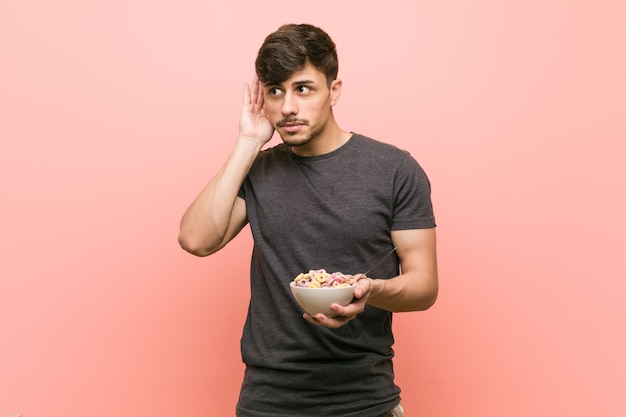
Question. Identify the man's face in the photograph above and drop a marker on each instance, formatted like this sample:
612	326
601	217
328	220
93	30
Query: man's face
300	107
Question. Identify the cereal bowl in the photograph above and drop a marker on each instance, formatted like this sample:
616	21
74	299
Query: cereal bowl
317	290
318	300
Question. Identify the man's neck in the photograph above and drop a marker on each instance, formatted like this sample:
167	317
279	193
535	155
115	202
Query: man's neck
331	139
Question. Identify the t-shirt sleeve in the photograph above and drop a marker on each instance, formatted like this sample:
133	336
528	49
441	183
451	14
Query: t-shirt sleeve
413	207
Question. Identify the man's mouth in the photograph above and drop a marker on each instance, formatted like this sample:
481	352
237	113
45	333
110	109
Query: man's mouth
291	125
292	122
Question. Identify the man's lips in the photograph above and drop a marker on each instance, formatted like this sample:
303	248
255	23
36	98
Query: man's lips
291	125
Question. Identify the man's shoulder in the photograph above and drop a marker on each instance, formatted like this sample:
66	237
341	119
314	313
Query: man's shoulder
378	148
273	153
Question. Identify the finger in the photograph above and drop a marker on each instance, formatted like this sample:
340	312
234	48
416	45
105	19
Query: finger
311	319
362	288
322	320
259	98
344	313
246	95
254	91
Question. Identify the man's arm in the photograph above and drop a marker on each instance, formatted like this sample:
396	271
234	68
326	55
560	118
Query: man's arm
218	214
416	287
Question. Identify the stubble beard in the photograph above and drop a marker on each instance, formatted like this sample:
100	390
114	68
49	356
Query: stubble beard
295	141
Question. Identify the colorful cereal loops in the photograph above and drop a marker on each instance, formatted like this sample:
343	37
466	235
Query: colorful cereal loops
319	278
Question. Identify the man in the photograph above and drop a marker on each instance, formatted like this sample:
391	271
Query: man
324	198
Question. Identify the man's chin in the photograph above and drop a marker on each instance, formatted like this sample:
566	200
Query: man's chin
295	141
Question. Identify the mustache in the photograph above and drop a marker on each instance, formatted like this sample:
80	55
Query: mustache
289	120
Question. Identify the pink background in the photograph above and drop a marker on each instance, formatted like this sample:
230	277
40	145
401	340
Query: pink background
113	115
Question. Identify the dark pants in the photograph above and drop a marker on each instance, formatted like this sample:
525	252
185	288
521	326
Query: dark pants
396	411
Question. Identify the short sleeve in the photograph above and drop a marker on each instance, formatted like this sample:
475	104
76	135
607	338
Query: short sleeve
412	205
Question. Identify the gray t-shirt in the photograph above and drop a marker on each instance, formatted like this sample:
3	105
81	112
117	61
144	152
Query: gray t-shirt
334	211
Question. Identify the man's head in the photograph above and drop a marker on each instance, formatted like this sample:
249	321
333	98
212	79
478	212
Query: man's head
290	48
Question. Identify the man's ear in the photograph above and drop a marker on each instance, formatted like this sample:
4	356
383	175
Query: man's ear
335	91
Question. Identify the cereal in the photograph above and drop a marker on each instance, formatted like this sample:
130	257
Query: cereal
319	278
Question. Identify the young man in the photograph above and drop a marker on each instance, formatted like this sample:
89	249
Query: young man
324	198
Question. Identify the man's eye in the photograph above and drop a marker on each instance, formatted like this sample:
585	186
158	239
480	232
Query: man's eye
274	91
303	89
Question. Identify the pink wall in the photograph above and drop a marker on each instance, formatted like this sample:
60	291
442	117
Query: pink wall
114	114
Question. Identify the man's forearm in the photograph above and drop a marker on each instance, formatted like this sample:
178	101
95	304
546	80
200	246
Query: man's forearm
206	222
413	291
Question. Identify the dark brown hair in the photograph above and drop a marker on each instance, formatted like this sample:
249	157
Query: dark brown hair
289	48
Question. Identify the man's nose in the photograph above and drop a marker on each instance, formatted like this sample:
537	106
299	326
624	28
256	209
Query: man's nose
290	105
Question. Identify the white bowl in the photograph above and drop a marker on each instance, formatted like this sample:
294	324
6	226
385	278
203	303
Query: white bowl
319	300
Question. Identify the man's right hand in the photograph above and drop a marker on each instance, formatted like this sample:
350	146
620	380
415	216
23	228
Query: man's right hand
253	122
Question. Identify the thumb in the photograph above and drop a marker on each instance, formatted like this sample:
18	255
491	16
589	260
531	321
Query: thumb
363	286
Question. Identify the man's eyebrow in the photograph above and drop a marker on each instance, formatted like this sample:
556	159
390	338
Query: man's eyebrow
302	82
293	84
